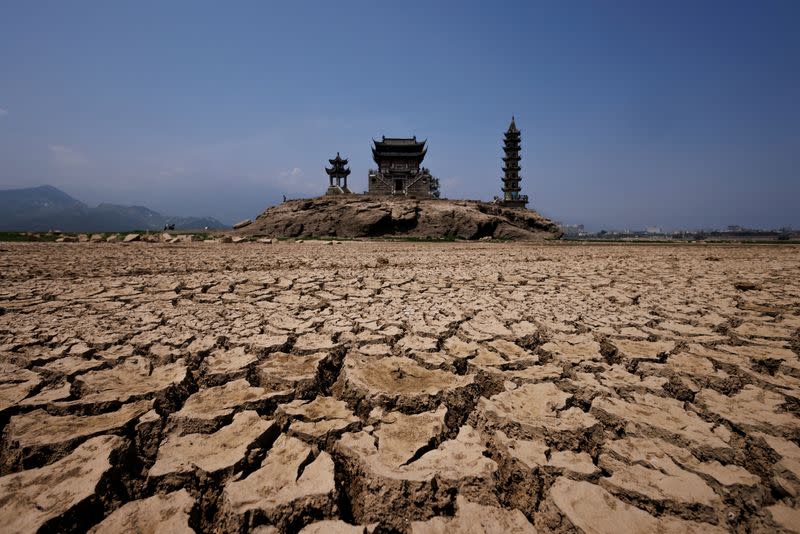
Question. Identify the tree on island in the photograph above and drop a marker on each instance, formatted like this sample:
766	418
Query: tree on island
434	187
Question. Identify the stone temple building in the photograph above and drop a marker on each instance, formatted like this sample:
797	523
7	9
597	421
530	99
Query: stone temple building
399	169
511	178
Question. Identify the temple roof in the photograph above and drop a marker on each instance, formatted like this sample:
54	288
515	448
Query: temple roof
338	160
396	141
399	144
337	171
398	147
337	166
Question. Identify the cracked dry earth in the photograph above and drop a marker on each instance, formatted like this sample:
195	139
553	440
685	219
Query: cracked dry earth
374	387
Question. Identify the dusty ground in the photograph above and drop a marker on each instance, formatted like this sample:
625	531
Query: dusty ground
416	387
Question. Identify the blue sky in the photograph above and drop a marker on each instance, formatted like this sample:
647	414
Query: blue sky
633	113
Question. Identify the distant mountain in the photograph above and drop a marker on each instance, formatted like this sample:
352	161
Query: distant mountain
47	208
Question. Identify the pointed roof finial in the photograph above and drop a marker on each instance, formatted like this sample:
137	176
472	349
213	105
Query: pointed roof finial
513	126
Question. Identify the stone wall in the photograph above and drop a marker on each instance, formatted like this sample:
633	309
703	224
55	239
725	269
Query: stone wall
414	186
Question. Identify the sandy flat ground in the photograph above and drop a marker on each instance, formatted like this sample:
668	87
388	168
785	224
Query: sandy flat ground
408	387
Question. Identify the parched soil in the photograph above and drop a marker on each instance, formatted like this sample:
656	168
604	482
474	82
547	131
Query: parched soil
399	387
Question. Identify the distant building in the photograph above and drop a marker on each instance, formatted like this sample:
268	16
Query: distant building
511	168
653	230
399	169
572	230
337	175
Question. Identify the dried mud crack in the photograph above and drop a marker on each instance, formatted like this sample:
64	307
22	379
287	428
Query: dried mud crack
399	387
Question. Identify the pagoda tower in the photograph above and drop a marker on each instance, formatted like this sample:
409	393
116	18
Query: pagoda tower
337	174
511	177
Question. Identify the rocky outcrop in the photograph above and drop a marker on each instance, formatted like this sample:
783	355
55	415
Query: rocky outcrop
371	216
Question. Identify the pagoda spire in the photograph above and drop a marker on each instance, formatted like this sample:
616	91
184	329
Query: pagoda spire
513	126
511	178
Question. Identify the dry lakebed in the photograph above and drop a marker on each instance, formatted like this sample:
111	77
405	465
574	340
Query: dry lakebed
378	386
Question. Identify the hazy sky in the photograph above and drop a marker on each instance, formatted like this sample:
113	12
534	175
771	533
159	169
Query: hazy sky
671	113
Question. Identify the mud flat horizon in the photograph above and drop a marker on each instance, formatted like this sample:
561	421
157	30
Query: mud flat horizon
399	387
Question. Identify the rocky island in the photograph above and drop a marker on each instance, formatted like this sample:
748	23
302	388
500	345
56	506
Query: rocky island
376	216
402	200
